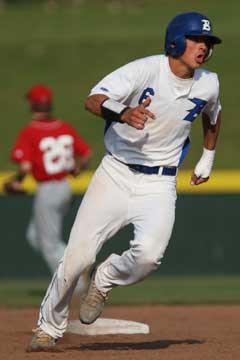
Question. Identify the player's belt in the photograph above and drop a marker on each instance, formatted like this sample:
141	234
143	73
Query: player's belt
163	170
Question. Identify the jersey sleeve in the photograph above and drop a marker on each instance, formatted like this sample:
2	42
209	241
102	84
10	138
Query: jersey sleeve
119	84
22	149
213	106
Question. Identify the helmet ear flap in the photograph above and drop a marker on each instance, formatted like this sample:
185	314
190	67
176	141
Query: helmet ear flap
177	46
210	51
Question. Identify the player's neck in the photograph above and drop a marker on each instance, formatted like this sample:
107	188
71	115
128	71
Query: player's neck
180	69
41	116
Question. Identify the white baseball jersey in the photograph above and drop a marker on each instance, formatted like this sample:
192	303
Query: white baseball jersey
175	102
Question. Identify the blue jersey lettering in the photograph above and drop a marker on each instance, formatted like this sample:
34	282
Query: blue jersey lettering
195	111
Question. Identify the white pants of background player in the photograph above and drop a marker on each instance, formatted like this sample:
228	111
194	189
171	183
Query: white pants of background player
44	232
116	197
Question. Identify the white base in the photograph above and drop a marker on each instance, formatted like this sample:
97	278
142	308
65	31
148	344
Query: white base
104	326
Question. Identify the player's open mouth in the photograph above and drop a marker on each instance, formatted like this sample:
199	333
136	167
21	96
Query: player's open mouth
200	58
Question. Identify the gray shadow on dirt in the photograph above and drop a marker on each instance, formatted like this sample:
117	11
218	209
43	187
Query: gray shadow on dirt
147	345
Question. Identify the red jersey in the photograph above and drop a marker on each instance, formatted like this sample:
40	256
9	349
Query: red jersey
51	146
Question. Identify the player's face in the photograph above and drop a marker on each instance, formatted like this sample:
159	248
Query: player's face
197	49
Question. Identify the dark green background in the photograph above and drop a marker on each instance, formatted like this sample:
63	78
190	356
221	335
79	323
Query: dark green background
205	238
70	45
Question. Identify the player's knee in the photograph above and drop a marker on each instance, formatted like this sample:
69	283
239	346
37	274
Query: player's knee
149	262
148	256
75	265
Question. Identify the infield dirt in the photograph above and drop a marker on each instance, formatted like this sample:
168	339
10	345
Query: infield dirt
195	332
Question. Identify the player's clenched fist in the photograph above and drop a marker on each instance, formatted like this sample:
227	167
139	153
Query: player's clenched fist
137	117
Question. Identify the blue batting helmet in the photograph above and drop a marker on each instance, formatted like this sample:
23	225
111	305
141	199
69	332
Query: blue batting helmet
187	24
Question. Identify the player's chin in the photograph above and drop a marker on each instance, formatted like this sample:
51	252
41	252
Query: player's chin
196	64
193	65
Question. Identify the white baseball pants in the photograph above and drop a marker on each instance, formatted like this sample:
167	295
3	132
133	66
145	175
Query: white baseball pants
44	232
116	197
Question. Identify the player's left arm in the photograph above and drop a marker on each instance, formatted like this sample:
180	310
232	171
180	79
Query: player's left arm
81	164
203	168
82	154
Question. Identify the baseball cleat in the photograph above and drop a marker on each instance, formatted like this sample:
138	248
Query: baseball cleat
41	341
92	305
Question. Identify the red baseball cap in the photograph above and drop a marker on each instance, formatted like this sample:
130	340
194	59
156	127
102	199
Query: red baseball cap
40	94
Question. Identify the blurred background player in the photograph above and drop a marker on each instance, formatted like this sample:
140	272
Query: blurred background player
50	149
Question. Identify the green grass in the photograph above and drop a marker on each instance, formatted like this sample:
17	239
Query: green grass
70	47
155	290
181	290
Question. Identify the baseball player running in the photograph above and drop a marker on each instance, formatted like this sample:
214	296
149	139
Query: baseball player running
149	106
48	148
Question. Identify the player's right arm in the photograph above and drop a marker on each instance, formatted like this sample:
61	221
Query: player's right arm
110	98
21	154
102	105
14	184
